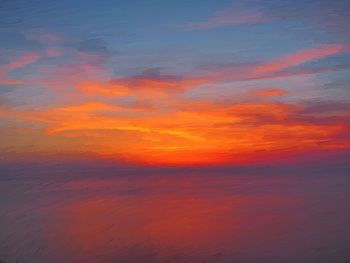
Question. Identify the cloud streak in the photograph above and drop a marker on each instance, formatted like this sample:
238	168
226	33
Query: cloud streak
21	62
229	16
299	58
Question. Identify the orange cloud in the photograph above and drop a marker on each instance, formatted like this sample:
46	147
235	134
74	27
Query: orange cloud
139	87
268	93
197	133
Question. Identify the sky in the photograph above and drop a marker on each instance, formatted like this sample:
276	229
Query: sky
157	82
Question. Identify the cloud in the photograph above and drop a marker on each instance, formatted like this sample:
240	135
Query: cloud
277	68
196	131
21	62
299	58
268	92
330	16
149	84
230	16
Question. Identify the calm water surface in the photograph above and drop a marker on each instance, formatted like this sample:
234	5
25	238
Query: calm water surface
175	217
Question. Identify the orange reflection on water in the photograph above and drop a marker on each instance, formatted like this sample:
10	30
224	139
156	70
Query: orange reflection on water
166	218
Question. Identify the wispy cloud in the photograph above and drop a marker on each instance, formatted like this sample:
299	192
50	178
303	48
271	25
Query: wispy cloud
21	62
229	16
301	57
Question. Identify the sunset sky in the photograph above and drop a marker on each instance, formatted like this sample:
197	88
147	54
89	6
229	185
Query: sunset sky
174	82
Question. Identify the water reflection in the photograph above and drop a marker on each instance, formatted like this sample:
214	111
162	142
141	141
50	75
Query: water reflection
178	218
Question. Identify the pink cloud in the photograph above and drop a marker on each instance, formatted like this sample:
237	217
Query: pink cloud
21	62
299	58
230	16
278	68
